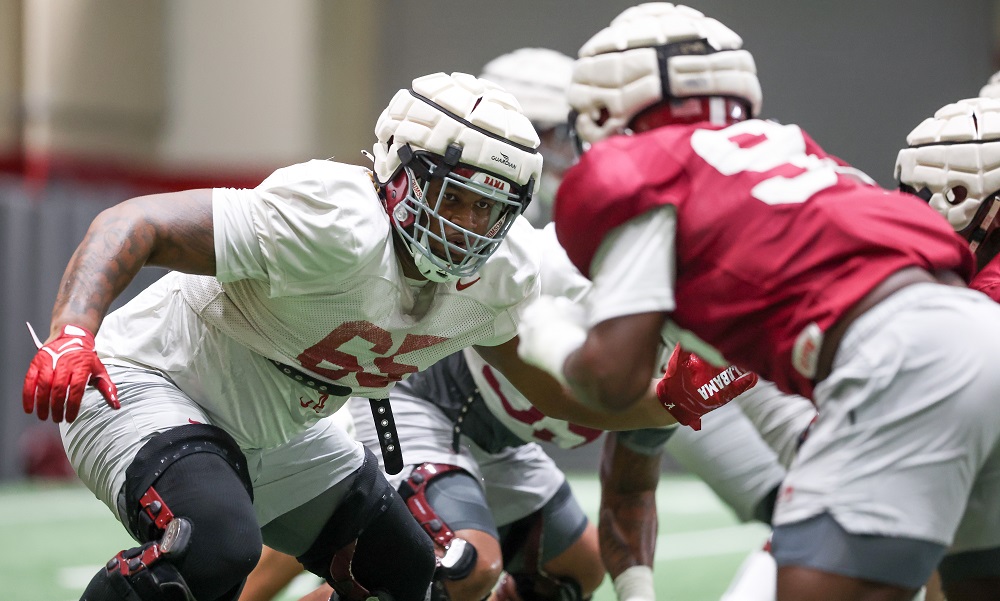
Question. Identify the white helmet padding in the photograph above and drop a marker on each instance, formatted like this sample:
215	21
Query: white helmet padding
538	78
953	162
466	132
992	87
653	52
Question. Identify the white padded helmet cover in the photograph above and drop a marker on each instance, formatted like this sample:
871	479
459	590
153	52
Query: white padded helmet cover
538	78
992	87
410	120
618	69
958	146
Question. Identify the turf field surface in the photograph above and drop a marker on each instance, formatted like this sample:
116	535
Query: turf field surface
53	538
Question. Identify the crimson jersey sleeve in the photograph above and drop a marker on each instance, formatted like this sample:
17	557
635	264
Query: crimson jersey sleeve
607	187
987	280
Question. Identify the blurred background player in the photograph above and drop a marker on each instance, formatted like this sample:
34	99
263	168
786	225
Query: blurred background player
497	488
473	472
538	78
953	163
992	87
868	507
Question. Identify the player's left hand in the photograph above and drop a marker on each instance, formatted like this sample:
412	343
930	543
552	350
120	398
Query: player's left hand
550	330
691	387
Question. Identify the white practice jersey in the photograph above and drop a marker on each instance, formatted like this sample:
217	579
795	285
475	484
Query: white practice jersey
307	276
517	414
510	407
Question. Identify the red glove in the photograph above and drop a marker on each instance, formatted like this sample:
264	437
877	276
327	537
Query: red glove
59	373
691	387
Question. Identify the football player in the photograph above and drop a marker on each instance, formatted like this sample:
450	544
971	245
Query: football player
788	262
728	454
538	78
203	429
953	162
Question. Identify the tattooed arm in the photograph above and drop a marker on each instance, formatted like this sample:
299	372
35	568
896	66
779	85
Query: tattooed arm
167	230
627	524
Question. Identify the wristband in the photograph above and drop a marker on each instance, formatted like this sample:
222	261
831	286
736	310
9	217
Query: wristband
566	339
635	584
550	331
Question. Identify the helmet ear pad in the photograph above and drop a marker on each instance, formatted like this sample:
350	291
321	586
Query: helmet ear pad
406	181
394	192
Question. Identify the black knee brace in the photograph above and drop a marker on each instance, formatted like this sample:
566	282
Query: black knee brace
157	455
197	473
146	573
371	546
458	557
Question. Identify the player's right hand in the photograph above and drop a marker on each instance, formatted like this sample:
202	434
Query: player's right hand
60	372
691	386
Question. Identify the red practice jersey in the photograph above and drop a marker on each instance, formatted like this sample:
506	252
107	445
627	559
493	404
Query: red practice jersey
987	280
775	238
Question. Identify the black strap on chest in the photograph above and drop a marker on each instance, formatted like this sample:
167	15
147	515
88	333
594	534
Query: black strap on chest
388	438
456	432
321	386
385	425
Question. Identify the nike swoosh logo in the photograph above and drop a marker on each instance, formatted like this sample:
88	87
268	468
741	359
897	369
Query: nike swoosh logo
71	342
460	286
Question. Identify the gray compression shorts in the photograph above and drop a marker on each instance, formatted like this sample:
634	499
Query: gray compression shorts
459	502
903	562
